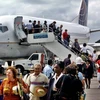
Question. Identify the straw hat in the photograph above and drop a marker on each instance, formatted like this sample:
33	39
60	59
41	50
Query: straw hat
17	89
39	91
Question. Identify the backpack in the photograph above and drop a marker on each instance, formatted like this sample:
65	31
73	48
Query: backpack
75	85
68	38
72	87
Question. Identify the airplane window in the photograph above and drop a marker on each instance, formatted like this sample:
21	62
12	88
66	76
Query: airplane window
3	28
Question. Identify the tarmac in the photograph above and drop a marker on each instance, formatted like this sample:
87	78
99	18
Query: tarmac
91	94
94	92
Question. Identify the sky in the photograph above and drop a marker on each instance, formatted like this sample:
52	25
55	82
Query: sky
64	10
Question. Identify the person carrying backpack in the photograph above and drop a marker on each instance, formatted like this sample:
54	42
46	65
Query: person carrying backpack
72	86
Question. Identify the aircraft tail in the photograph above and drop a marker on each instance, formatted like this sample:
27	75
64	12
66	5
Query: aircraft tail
83	14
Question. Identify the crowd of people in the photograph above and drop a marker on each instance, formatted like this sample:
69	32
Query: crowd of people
36	27
62	35
61	80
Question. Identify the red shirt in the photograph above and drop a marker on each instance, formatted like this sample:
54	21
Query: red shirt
65	35
9	95
98	62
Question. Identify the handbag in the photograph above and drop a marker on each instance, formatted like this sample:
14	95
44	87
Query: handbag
22	94
57	95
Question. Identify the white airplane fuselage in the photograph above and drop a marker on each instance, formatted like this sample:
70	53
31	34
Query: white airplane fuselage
9	43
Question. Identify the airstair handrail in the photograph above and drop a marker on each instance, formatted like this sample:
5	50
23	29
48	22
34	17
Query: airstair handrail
68	47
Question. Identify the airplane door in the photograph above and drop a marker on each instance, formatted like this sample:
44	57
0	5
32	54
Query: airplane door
18	28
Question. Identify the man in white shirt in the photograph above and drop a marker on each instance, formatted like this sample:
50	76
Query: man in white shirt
79	61
84	48
29	27
94	55
36	79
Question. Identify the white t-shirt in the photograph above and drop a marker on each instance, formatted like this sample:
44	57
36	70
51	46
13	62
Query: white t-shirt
36	81
84	49
94	56
56	80
79	60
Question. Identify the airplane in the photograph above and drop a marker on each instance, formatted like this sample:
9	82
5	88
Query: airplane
9	42
95	45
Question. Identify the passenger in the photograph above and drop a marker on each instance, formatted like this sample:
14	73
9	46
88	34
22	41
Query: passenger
7	88
84	57
80	75
88	73
29	27
90	57
58	69
84	48
61	26
36	79
24	28
80	63
57	31
67	61
76	47
48	70
65	38
38	27
26	77
52	27
45	26
69	85
34	26
95	56
60	33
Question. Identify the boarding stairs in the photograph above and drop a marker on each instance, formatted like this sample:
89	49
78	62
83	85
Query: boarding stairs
49	41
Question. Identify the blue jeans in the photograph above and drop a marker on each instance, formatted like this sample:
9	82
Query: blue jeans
66	42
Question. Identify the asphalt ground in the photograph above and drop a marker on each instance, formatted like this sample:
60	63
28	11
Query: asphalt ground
94	92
